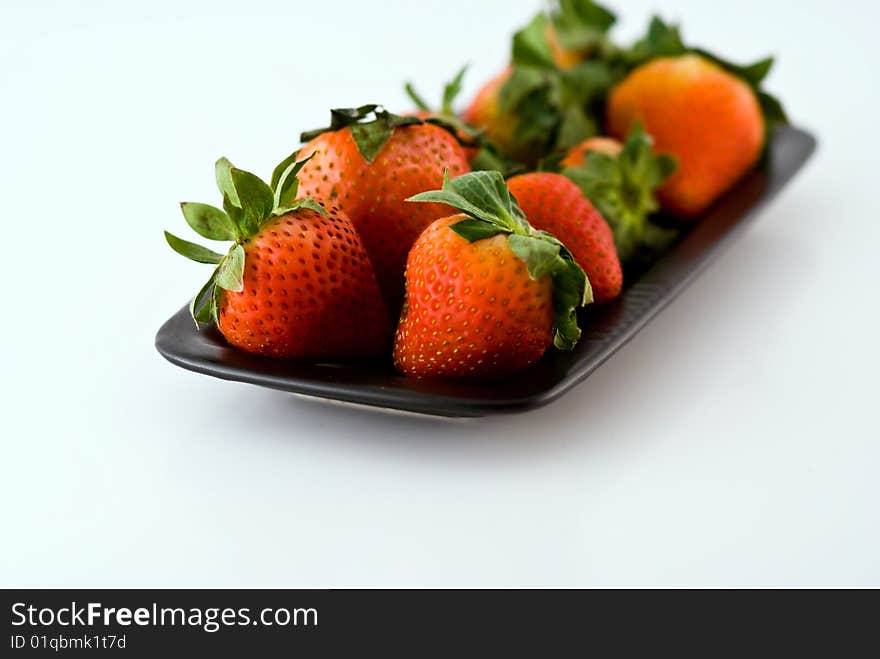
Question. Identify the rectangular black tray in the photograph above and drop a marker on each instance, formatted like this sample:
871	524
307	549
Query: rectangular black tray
606	327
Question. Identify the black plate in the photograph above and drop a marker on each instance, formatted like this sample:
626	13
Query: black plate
606	328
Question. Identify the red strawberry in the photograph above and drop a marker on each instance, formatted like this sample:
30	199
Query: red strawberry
486	294
369	168
553	203
296	283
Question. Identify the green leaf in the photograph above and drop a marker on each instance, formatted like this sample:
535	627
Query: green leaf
753	74
417	100
371	137
215	303
622	188
299	204
774	112
287	184
281	168
541	256
201	304
544	255
665	167
230	274
247	200
575	128
552	162
530	47
342	117
472	230
255	200
339	119
522	82
208	221
571	290
236	216
451	91
586	83
223	174
192	251
581	24
482	195
314	205
661	40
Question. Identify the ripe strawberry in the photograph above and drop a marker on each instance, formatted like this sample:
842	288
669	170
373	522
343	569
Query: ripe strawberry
368	168
486	294
712	116
553	203
620	181
297	281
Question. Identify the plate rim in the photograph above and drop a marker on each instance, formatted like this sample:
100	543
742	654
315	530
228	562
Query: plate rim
665	291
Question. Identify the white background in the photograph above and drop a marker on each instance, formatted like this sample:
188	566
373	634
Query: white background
733	442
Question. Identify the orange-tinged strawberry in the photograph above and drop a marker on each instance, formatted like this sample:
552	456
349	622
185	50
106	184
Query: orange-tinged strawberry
708	119
486	294
576	155
297	281
369	168
485	112
554	204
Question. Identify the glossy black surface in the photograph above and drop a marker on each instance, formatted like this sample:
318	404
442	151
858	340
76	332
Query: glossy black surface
606	328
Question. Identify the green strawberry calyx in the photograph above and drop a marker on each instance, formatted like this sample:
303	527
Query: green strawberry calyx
248	205
450	92
552	107
622	187
372	126
582	25
487	155
664	40
484	197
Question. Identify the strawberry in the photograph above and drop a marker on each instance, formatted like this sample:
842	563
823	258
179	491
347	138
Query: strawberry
486	293
621	180
711	115
297	282
368	167
577	155
553	203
